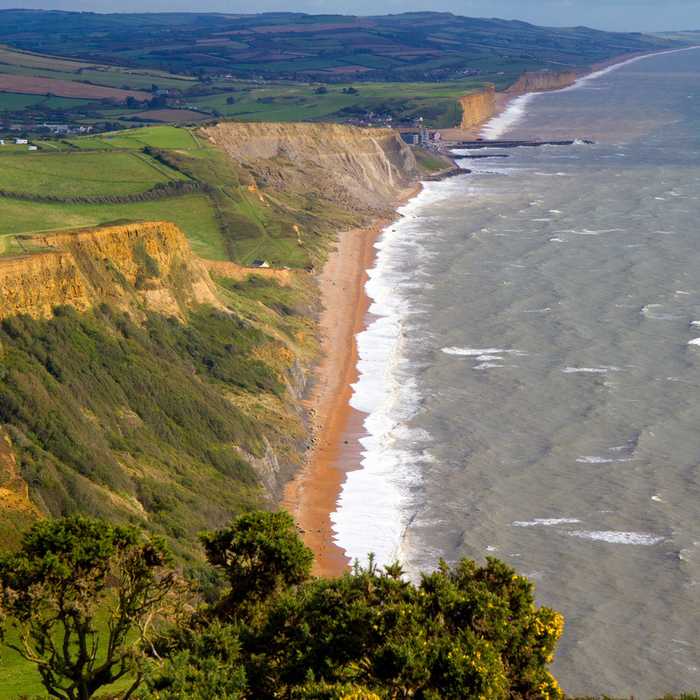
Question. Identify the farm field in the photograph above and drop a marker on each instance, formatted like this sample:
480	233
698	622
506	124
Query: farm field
71	174
168	137
64	88
167	67
192	213
436	102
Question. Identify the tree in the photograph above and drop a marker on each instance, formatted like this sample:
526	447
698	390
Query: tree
68	574
230	100
261	556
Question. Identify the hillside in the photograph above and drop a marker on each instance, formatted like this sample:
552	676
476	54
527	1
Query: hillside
410	46
141	382
81	70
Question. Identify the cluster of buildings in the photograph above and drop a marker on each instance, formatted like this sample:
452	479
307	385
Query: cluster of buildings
18	142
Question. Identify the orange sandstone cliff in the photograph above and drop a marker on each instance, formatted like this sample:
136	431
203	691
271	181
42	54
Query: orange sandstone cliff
478	107
147	262
542	81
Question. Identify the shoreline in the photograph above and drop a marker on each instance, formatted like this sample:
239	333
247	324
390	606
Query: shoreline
311	495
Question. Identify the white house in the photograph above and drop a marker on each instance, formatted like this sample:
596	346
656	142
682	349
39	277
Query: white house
2	142
21	142
33	148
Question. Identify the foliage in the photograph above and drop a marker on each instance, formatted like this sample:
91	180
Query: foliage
206	667
97	404
65	574
261	555
466	631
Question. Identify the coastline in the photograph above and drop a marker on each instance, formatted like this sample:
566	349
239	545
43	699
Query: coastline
312	494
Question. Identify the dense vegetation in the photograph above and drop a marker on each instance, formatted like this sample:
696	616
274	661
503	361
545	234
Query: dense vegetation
99	611
137	422
268	630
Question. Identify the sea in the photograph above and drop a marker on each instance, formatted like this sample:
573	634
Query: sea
530	374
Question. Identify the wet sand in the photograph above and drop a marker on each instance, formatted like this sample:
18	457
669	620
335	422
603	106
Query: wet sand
312	495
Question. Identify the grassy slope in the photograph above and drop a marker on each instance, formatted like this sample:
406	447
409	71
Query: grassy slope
67	175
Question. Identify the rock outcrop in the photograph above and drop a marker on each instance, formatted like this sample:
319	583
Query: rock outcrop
150	263
478	107
356	168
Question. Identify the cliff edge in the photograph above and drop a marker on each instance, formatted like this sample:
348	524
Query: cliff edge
148	263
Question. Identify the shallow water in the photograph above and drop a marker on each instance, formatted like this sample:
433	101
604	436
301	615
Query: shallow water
531	381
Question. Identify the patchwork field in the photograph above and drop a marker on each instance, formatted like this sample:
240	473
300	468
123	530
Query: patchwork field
65	88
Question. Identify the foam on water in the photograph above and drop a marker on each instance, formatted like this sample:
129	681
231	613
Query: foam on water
373	507
590	370
617	537
500	124
594	459
545	522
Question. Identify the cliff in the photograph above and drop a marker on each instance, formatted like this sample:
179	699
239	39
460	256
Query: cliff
16	509
478	107
148	263
355	168
542	81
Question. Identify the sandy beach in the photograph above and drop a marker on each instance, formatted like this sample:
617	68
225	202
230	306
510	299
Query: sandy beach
312	495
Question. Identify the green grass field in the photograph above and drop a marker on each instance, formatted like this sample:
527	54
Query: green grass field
192	213
166	137
68	175
16	101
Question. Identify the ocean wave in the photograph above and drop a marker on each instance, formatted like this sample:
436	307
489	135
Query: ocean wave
500	124
594	459
618	537
374	506
590	370
545	522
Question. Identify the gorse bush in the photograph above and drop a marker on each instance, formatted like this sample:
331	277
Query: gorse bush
67	574
460	632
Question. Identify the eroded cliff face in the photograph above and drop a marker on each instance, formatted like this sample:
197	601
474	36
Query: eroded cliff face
357	169
542	81
148	262
16	509
478	107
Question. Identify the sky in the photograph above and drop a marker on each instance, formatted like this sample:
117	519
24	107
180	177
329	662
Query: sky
618	15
